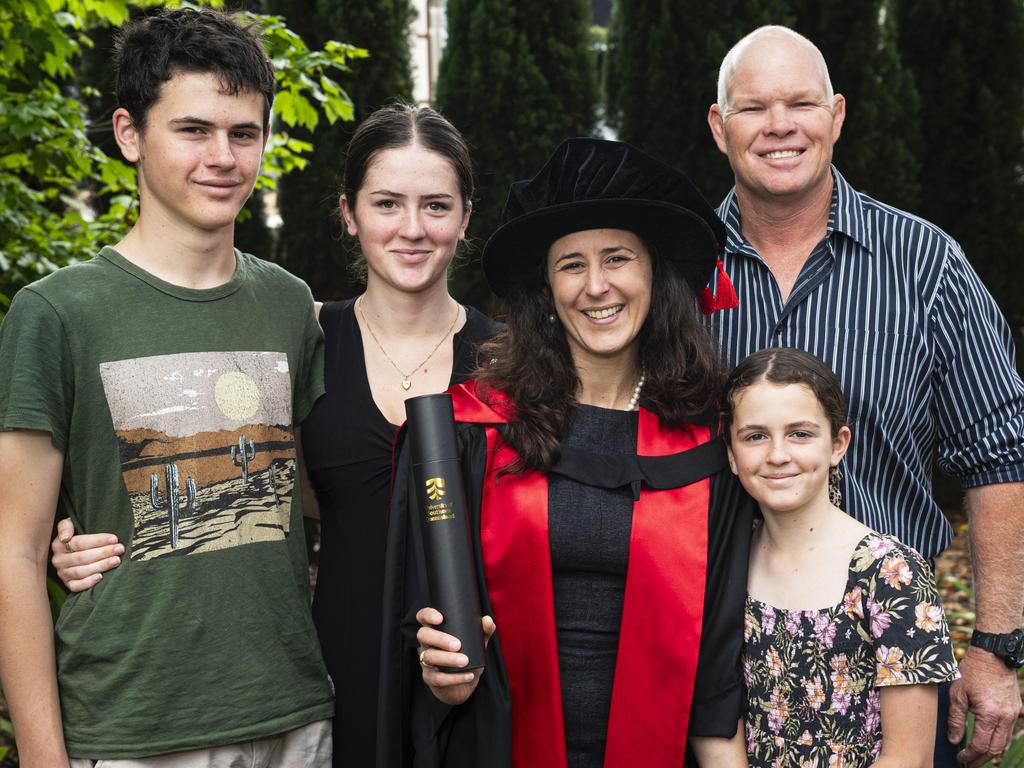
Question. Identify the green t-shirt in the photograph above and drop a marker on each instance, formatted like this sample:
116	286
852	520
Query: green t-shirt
174	410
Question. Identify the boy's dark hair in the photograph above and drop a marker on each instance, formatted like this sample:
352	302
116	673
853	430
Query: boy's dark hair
787	365
154	48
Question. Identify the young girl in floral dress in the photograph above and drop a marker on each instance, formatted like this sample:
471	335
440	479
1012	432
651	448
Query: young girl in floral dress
845	638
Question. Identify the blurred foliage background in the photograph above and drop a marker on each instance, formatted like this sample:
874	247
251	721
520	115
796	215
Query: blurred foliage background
935	108
935	117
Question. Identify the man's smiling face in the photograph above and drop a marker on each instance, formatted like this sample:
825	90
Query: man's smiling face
779	125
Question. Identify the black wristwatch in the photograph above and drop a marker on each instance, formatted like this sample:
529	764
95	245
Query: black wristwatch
1008	646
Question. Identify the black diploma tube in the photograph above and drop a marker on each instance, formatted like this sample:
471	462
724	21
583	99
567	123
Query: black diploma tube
441	502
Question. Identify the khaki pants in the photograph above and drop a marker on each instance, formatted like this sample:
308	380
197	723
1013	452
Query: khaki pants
306	747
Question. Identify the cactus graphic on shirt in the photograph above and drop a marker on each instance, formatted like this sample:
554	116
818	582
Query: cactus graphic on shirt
171	501
242	455
206	447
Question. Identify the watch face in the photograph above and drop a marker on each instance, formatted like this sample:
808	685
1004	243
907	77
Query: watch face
1015	648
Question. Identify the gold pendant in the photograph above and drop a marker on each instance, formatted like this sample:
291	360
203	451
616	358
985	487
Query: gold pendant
406	384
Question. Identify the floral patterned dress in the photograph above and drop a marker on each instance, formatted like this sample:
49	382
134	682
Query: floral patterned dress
813	676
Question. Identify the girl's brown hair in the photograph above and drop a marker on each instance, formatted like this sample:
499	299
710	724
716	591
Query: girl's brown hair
787	365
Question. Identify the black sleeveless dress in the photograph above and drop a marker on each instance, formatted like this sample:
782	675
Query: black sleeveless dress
347	446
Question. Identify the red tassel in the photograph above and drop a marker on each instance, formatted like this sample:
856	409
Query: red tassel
724	295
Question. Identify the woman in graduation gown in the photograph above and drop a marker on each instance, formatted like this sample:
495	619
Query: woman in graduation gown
610	538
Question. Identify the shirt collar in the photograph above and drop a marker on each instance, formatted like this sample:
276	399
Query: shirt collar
846	215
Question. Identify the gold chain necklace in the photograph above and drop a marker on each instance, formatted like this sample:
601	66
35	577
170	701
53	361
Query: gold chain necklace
406	377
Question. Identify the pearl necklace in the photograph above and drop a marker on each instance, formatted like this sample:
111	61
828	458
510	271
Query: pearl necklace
635	399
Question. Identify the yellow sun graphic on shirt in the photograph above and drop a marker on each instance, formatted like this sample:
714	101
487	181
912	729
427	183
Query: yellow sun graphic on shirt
237	395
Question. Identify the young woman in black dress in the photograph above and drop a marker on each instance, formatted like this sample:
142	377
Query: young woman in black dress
407	190
406	197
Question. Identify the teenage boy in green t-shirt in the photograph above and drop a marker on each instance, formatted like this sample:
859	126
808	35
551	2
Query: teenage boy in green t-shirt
155	391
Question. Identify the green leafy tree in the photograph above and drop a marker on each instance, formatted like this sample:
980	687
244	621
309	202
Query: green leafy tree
662	75
880	146
60	194
968	68
516	78
311	243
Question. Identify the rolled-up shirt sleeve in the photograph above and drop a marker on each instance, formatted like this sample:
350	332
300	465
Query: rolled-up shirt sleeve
979	396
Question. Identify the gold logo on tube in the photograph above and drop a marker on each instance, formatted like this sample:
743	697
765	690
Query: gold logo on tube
435	488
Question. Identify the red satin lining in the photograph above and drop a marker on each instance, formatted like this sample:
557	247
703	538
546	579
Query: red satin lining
470	408
517	568
662	612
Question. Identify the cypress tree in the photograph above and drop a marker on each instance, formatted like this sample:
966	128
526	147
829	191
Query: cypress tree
967	62
662	75
516	78
880	145
310	241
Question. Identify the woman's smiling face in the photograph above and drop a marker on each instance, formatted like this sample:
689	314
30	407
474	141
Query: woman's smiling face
601	288
409	217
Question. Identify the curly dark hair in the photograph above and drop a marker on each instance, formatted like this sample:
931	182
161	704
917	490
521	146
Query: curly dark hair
157	46
787	365
531	364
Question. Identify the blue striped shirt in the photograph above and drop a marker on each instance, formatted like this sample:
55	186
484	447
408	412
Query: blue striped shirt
924	355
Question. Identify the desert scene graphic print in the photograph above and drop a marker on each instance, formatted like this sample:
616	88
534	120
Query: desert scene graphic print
206	446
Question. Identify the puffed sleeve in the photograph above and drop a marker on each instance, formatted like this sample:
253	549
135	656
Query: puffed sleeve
903	615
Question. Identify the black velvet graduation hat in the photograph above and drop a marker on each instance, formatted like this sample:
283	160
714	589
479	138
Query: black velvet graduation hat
598	184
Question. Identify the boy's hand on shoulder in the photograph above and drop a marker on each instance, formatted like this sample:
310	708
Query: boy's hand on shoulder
81	561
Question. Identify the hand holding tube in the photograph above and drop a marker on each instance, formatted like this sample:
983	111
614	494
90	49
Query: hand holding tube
437	648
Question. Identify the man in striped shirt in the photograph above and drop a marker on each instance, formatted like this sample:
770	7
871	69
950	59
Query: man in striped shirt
892	304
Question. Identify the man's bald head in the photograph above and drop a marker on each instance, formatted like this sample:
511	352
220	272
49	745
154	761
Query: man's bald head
760	38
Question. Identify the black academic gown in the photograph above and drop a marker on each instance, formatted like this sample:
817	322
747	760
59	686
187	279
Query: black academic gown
415	729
